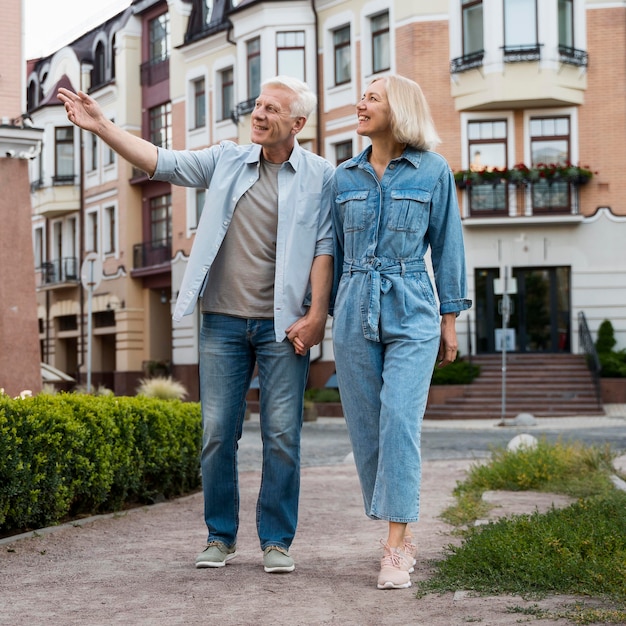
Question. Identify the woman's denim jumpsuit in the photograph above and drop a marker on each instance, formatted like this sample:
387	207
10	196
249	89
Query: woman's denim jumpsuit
386	327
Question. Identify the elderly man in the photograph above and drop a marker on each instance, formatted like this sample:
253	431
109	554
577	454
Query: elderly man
261	268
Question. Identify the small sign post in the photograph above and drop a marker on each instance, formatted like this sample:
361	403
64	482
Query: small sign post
505	286
90	277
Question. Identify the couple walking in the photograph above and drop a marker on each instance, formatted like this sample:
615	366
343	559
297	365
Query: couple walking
284	238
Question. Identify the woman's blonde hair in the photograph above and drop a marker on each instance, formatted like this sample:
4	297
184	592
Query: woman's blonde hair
411	121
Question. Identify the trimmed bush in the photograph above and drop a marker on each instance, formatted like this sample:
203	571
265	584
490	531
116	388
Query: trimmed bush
69	454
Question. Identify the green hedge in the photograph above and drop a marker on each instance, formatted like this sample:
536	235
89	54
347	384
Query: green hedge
67	455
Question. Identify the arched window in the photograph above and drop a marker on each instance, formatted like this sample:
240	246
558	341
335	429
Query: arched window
31	96
98	76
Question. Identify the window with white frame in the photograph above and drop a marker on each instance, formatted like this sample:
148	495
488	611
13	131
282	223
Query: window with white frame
520	24
71	244
93	152
290	53
381	50
253	67
342	53
550	145
110	153
226	93
91	231
566	23
472	25
487	146
38	246
199	103
64	153
343	151
109	230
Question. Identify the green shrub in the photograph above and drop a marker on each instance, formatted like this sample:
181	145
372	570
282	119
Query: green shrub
460	372
322	395
612	362
72	454
605	341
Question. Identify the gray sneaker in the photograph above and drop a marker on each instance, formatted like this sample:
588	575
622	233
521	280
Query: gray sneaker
216	554
277	560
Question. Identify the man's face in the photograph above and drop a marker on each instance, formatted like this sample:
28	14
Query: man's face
272	123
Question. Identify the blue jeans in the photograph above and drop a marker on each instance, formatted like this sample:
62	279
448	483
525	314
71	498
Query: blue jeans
229	349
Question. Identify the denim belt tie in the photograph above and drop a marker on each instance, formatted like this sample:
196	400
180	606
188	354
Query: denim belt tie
377	281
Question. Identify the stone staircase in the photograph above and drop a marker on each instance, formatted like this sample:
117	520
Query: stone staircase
545	385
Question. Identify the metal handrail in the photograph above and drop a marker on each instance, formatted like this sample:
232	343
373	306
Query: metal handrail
587	346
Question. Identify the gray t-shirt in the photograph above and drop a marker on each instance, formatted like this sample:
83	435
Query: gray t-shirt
241	280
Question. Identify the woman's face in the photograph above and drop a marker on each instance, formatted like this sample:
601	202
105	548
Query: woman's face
373	112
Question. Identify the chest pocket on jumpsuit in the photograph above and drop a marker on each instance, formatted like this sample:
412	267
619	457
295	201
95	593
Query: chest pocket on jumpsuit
354	209
408	209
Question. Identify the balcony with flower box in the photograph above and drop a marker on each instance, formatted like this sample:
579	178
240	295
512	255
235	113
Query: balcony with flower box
541	194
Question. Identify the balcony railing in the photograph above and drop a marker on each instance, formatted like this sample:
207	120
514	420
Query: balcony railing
58	271
505	199
573	56
152	253
522	54
154	72
467	62
242	108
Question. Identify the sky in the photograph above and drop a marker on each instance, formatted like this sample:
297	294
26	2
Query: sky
50	24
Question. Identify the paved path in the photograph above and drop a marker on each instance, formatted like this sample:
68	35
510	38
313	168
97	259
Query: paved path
137	568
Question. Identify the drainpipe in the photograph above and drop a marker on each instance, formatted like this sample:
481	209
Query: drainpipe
318	84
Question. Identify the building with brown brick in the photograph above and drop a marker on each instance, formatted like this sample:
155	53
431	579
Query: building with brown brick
527	97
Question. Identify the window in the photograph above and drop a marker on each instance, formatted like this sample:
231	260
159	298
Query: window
566	23
200	198
32	93
207	11
290	53
159	29
343	151
472	17
199	100
110	153
227	93
161	220
38	247
487	144
380	43
93	153
109	230
520	23
341	43
98	76
64	150
161	125
91	232
253	64
550	144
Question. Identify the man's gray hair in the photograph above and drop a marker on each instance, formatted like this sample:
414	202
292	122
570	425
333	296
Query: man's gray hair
305	101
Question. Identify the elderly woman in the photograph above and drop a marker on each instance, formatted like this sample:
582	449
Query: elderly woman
394	202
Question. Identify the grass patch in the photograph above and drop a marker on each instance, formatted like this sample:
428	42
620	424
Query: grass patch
572	469
579	550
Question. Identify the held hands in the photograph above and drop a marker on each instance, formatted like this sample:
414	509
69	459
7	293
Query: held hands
306	332
82	110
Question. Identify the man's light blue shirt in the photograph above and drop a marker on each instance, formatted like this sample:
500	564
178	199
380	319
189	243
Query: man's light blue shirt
304	228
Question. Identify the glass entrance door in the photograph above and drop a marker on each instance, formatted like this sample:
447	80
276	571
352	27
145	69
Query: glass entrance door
540	316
